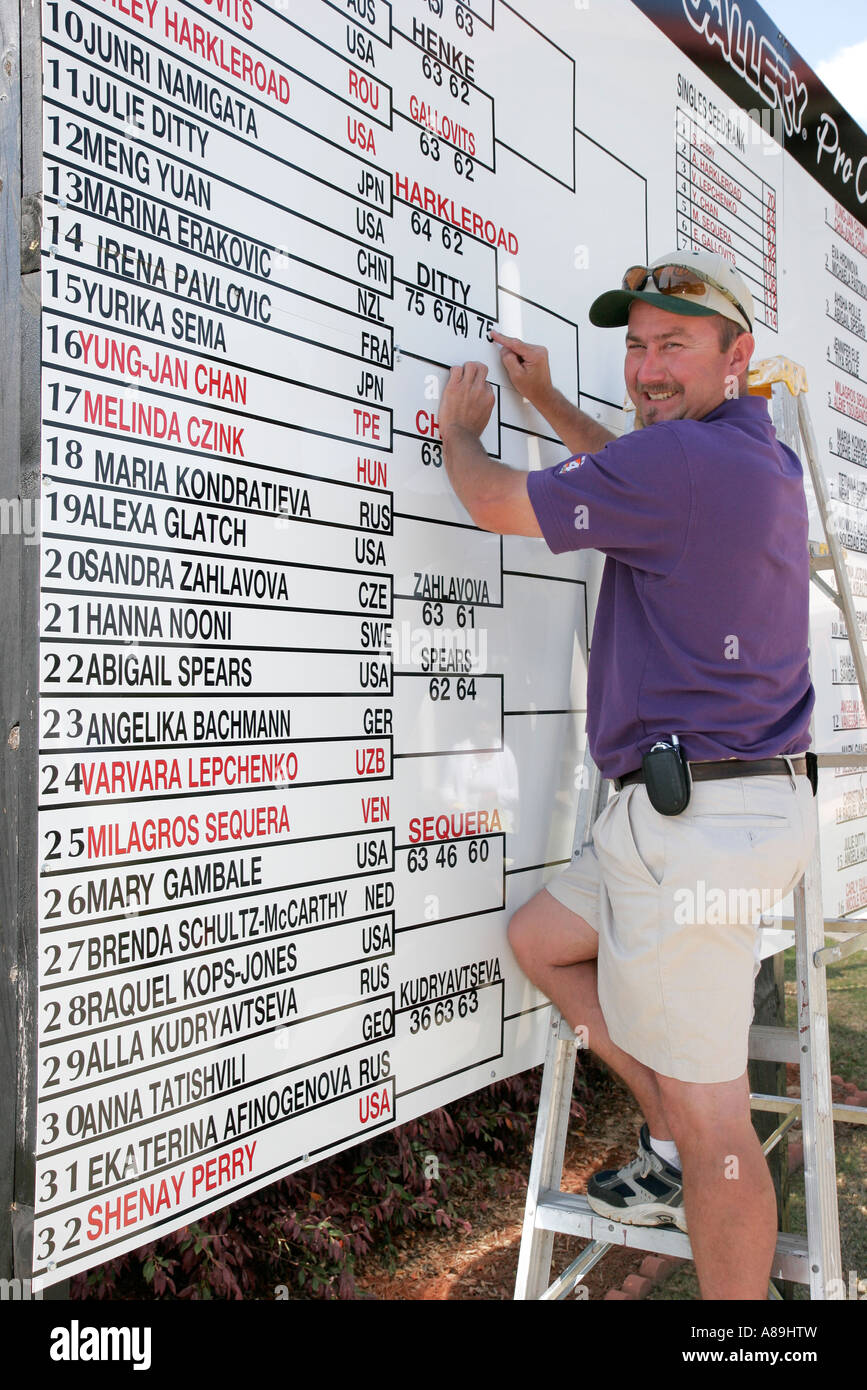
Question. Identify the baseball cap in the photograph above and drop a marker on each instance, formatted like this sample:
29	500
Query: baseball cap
683	282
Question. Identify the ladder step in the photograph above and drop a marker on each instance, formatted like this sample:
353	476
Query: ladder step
770	1044
568	1214
781	1105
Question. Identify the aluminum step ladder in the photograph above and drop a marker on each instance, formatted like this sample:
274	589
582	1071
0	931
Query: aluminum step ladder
549	1211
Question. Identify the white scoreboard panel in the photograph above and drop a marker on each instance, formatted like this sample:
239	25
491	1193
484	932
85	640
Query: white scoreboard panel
307	737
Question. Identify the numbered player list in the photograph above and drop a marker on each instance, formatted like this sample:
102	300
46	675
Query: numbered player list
268	712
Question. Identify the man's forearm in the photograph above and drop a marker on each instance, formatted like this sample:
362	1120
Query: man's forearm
494	494
579	431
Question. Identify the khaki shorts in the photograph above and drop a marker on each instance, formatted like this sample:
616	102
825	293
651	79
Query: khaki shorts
676	901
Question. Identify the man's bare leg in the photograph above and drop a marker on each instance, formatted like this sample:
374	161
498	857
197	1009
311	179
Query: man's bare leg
557	950
731	1210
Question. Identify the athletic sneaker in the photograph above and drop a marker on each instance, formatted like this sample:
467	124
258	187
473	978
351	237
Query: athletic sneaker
647	1192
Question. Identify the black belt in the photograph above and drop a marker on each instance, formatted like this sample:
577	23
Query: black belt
731	767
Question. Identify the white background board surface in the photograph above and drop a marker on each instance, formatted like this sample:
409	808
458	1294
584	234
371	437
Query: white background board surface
307	736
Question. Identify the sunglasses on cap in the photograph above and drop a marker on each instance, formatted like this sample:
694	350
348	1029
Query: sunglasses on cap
677	280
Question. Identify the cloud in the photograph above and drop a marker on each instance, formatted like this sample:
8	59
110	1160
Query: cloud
844	76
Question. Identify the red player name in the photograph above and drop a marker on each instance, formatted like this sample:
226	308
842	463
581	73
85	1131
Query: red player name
134	417
163	368
212	48
456	825
141	11
440	205
120	1213
223	1168
444	126
185	832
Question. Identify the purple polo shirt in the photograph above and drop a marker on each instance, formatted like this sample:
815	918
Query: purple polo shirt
702	623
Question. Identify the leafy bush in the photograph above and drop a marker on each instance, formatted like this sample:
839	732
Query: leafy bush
301	1237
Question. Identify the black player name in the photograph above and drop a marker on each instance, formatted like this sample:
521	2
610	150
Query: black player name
225	972
126	309
127	209
196	93
199	1083
305	910
225	1021
848	315
230	248
204	287
846	268
151	1151
111	1053
150	671
454	981
445	286
230	580
846	356
212	880
117	155
291	1098
100	93
129	728
460	660
852	446
108	513
118	1050
141	945
450	588
443	50
90	1119
134	620
122	569
113	50
200	484
107	1003
136	945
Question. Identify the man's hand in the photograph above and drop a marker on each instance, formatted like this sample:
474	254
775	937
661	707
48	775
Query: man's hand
527	368
495	495
467	400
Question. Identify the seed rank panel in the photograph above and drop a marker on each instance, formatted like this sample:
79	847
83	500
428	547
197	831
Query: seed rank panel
726	207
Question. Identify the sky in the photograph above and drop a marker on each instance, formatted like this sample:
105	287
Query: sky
832	36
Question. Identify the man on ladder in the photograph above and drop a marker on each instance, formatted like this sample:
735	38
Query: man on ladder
699	702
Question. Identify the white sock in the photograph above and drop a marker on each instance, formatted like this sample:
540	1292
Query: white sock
667	1149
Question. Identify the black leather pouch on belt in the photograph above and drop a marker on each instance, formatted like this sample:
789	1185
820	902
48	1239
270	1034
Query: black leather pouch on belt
666	776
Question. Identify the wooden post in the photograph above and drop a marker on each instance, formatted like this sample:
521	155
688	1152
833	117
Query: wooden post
20	354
